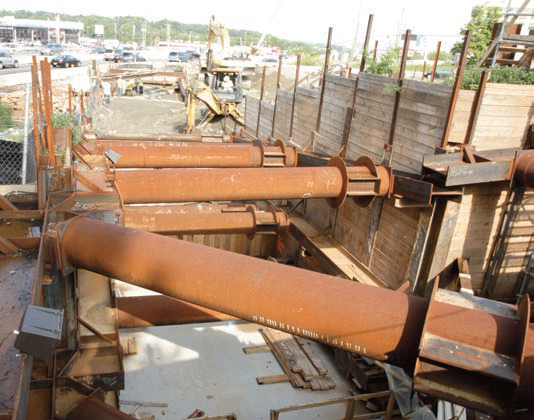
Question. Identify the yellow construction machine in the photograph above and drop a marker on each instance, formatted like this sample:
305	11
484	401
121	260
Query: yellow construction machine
220	93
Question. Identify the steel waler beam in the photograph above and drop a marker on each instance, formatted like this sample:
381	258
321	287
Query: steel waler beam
364	181
153	310
465	349
199	155
205	219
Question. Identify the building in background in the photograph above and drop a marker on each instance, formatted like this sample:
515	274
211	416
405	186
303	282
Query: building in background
32	30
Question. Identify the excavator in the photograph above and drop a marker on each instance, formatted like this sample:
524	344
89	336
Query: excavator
219	54
221	99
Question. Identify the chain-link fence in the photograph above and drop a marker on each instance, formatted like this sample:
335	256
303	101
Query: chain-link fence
16	166
17	156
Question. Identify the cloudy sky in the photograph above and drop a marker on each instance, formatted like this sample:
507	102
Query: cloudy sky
292	19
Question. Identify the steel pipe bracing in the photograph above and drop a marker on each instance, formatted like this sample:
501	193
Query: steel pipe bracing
336	181
524	169
109	135
375	322
199	155
205	219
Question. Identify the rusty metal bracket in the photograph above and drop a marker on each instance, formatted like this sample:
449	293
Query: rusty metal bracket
451	352
470	167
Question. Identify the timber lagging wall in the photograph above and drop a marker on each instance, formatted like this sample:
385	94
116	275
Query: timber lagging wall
388	240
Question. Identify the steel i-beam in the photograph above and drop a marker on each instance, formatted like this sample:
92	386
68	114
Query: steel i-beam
145	311
364	181
468	350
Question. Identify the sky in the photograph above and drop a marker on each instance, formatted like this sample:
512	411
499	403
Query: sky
297	20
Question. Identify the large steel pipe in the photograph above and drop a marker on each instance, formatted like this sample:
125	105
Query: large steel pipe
111	135
153	310
198	155
375	322
204	219
183	185
524	169
313	305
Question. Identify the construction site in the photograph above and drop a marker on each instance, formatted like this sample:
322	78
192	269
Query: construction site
215	241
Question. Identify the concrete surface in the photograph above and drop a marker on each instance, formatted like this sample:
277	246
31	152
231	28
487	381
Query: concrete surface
202	366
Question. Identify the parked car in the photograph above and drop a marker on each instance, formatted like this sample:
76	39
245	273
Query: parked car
440	74
65	61
180	57
269	62
98	50
109	54
130	57
6	60
117	55
51	49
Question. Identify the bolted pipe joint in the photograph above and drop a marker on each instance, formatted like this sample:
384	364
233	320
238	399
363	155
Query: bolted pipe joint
278	155
364	181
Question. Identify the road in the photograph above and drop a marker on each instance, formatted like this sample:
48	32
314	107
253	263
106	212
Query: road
27	66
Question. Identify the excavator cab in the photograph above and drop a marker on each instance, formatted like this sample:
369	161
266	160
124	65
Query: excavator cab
226	85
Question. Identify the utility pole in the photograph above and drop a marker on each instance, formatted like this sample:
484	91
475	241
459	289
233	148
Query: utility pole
168	33
355	40
133	34
144	35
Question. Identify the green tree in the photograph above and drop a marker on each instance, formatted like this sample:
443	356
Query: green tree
481	24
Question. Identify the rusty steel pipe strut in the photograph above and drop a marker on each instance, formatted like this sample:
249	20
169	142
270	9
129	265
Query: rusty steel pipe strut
363	182
469	347
205	219
524	169
173	137
201	155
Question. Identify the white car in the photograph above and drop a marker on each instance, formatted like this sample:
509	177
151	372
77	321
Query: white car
6	60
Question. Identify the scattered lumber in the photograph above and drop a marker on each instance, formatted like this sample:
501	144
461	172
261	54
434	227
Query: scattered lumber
302	366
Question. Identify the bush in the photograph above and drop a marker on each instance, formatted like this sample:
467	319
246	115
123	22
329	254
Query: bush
387	64
62	121
311	59
505	75
6	117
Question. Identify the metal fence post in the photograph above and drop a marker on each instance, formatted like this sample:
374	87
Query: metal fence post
26	133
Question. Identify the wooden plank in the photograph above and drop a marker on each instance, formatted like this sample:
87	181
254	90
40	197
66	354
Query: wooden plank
334	258
308	350
273	379
491	98
296	380
256	349
391	256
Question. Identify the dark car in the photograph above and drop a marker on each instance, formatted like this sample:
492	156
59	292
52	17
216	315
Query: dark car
440	74
65	61
117	55
180	57
193	53
129	57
